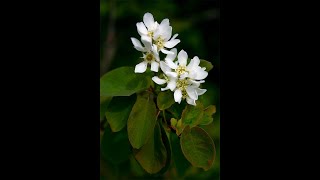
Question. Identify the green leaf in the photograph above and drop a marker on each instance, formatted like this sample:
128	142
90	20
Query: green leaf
166	143
206	119
195	115
152	156
180	162
210	110
213	129
123	82
115	147
207	116
208	65
176	109
142	120
118	111
179	127
173	122
165	100
104	102
192	115
197	147
135	167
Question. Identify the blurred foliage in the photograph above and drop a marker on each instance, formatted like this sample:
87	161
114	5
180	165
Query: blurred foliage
197	23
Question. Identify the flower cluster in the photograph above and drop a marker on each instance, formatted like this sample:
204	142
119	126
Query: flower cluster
182	79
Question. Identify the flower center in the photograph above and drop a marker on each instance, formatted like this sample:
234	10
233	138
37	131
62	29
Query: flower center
181	69
149	57
160	43
182	84
184	94
150	34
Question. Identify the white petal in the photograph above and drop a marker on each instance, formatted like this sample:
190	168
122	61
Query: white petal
174	36
156	55
155	52
173	75
193	63
142	30
154	66
157	80
166	34
200	91
164	67
192	74
171	43
182	58
164	89
184	75
154	48
201	74
191	101
195	83
202	81
137	45
141	67
166	51
163	26
148	20
171	64
171	57
147	41
162	29
154	26
156	34
177	95
172	85
192	93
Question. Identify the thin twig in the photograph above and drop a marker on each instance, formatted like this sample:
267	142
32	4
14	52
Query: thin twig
158	113
110	44
164	116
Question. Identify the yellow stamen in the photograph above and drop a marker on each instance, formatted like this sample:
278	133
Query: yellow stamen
150	34
149	57
182	84
160	43
181	69
184	94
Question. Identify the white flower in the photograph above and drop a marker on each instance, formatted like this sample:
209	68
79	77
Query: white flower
184	80
187	90
160	33
169	77
150	55
148	26
183	87
162	37
181	69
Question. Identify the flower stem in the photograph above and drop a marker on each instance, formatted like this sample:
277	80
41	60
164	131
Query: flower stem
164	116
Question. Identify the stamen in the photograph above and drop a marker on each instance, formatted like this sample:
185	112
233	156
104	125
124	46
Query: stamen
149	57
160	43
184	94
150	34
181	69
182	84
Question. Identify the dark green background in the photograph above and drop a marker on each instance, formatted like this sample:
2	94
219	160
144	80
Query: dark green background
197	23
